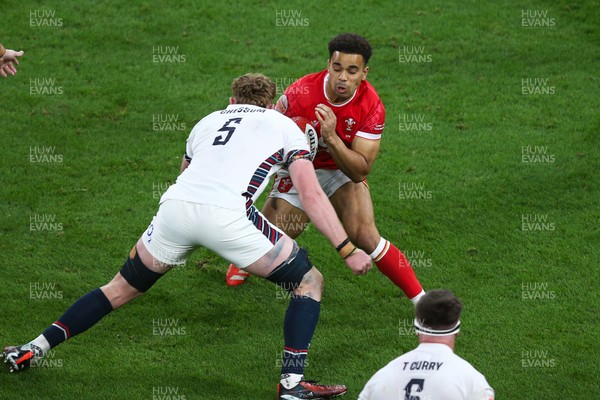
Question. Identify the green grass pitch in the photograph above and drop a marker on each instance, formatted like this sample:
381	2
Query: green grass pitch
487	178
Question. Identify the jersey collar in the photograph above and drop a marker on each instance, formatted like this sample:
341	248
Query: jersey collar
435	347
242	105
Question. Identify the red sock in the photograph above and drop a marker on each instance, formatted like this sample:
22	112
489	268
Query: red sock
393	264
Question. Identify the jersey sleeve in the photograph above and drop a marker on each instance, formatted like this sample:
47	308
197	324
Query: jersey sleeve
481	388
295	144
374	123
484	394
381	386
189	146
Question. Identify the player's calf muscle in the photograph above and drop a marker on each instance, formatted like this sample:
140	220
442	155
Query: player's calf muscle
355	209
366	238
361	231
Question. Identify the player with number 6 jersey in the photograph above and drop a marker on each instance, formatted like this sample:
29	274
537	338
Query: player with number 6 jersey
432	370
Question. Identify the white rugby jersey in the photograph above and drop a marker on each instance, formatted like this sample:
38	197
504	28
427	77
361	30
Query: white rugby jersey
233	153
430	372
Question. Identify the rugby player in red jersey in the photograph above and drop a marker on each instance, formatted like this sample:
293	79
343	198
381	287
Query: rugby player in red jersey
348	113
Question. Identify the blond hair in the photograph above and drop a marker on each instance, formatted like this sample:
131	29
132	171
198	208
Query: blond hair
255	89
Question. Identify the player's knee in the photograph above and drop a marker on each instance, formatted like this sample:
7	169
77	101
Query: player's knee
290	274
312	283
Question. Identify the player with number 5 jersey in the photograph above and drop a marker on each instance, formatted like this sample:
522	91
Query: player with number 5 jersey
229	157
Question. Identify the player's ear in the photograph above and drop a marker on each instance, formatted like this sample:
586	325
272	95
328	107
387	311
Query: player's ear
365	72
232	100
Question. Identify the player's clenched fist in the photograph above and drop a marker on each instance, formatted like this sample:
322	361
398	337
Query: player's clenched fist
359	262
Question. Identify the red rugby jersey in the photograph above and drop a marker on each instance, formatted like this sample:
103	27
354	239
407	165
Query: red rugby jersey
363	115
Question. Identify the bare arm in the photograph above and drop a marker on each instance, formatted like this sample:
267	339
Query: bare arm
184	164
355	162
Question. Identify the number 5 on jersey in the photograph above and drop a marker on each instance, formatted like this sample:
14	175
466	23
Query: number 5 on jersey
226	128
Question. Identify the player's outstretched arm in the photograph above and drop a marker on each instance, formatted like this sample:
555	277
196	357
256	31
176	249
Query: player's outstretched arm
321	212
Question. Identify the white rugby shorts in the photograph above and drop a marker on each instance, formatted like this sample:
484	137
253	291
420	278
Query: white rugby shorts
329	179
180	227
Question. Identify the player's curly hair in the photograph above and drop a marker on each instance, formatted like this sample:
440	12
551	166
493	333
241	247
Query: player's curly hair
438	309
255	89
351	43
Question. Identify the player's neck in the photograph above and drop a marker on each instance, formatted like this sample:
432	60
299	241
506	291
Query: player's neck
447	340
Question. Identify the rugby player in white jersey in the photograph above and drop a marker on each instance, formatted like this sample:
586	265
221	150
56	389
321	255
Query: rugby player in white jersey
432	371
230	155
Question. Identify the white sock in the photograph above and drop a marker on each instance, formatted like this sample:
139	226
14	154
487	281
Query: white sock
42	343
416	299
290	380
379	249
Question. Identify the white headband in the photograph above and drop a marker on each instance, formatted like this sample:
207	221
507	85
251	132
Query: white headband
437	332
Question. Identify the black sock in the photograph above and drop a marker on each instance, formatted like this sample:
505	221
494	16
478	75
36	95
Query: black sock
299	325
83	314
